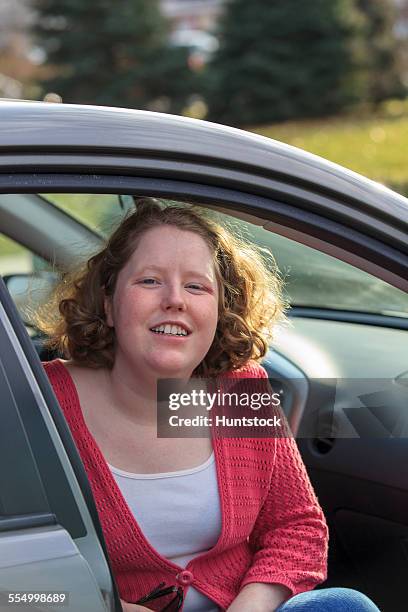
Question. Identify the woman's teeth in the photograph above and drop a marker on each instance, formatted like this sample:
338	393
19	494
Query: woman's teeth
174	330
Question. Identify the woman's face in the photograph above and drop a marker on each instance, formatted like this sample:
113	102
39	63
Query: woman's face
165	306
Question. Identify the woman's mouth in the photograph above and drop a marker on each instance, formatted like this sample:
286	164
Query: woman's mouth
171	330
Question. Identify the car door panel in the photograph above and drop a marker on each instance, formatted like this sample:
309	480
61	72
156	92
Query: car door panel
46	560
56	506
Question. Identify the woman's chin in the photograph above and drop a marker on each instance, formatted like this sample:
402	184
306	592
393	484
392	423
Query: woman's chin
175	369
168	363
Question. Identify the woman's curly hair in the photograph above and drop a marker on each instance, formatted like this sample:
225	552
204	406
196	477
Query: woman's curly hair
250	294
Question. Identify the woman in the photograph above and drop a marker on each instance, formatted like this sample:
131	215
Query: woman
225	523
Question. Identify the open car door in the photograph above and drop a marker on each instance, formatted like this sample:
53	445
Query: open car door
52	549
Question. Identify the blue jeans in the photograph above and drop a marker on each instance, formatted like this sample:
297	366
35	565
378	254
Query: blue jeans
329	600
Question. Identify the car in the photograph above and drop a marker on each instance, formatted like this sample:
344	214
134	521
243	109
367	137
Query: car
68	174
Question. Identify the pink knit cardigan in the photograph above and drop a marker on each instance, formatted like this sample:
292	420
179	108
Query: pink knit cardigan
273	529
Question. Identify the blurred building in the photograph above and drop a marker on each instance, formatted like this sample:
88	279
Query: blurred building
192	23
192	14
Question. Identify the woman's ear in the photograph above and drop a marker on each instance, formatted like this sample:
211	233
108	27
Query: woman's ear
107	305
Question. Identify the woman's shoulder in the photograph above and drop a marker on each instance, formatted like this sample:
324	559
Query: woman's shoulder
63	376
252	369
55	371
63	371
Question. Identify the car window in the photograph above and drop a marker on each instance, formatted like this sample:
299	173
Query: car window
316	280
29	277
99	212
17	259
312	279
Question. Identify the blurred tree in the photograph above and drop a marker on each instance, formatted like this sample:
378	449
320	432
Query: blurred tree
382	64
115	54
279	60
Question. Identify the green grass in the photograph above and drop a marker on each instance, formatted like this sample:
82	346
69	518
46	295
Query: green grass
374	147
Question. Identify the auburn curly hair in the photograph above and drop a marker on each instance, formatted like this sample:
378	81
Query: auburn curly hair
250	294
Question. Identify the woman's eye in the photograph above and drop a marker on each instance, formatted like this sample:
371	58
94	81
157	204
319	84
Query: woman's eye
148	281
152	282
196	287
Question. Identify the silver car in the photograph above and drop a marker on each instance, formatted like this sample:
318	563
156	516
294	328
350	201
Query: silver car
68	174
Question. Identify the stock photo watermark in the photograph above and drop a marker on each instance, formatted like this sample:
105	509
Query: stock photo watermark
313	408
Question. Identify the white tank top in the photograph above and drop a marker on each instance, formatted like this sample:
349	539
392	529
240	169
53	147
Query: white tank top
179	514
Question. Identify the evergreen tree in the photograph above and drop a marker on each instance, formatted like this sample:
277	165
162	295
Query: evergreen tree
281	59
112	53
381	63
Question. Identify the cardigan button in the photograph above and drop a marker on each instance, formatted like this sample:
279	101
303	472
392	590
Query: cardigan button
184	578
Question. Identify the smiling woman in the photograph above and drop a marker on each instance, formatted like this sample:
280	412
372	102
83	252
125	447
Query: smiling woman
137	255
174	295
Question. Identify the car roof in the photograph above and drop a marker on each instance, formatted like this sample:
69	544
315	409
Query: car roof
98	140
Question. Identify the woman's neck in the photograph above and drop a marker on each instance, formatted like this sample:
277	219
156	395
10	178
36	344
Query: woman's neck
134	397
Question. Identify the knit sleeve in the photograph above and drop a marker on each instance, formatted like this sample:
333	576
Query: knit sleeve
290	535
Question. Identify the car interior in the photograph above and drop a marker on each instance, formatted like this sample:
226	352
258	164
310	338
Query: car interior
340	364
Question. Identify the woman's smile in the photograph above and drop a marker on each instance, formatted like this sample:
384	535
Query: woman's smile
170	335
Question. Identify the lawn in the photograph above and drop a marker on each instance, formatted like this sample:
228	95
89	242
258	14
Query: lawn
375	147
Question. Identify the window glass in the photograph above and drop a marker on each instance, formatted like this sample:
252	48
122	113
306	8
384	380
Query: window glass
29	278
313	279
16	259
100	212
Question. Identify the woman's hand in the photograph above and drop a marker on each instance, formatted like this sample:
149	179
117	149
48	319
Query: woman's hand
260	597
131	607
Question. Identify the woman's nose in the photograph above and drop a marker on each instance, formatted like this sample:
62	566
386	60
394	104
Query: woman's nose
174	298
